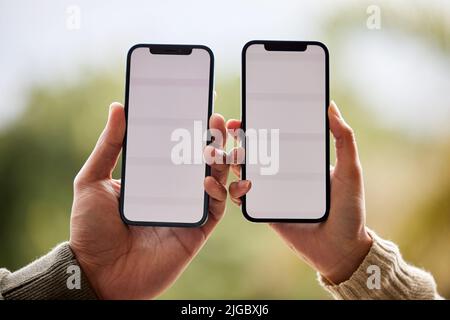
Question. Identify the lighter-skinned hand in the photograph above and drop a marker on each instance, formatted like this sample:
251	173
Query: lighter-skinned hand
337	246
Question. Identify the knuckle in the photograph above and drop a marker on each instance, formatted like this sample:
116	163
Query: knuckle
348	133
356	171
78	182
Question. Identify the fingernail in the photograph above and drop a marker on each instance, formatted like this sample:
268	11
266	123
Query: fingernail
335	109
217	115
109	113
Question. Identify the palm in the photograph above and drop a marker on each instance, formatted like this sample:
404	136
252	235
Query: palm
320	244
134	260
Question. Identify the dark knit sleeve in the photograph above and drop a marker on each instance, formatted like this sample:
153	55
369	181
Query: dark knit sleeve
54	276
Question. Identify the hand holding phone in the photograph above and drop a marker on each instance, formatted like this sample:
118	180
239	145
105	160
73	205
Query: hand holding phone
337	246
167	87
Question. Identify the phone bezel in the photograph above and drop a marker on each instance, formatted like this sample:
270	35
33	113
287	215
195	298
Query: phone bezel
173	49
289	46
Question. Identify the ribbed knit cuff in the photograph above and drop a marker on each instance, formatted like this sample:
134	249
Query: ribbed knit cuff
56	275
384	274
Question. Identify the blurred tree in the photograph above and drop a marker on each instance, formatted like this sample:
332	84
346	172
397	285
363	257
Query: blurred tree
41	154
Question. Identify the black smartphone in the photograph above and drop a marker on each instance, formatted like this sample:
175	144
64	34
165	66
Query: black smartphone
285	97
168	101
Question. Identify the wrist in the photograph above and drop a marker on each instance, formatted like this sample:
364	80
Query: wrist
350	260
87	270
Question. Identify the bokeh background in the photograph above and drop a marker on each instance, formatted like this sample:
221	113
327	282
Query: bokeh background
63	62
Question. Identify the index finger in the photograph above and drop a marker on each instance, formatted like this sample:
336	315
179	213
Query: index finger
233	128
218	130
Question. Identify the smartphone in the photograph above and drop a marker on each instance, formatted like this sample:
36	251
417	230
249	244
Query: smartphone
285	97
168	96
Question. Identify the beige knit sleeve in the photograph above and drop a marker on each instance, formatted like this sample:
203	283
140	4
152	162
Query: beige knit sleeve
53	276
384	274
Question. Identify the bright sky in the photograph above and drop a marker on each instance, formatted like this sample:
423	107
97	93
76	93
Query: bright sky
388	70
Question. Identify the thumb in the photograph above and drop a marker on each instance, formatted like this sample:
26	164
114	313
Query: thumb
103	158
347	160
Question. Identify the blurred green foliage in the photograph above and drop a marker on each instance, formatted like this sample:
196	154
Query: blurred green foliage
407	184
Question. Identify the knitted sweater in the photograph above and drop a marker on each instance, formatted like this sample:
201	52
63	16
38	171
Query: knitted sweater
382	275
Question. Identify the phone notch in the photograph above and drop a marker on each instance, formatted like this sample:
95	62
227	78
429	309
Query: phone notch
168	49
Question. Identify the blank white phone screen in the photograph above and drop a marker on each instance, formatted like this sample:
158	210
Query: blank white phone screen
168	95
286	91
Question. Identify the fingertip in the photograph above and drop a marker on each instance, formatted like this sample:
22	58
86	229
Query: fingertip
232	188
233	124
116	104
345	142
115	107
336	121
116	112
234	129
103	158
216	120
333	110
244	184
208	180
240	188
338	126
